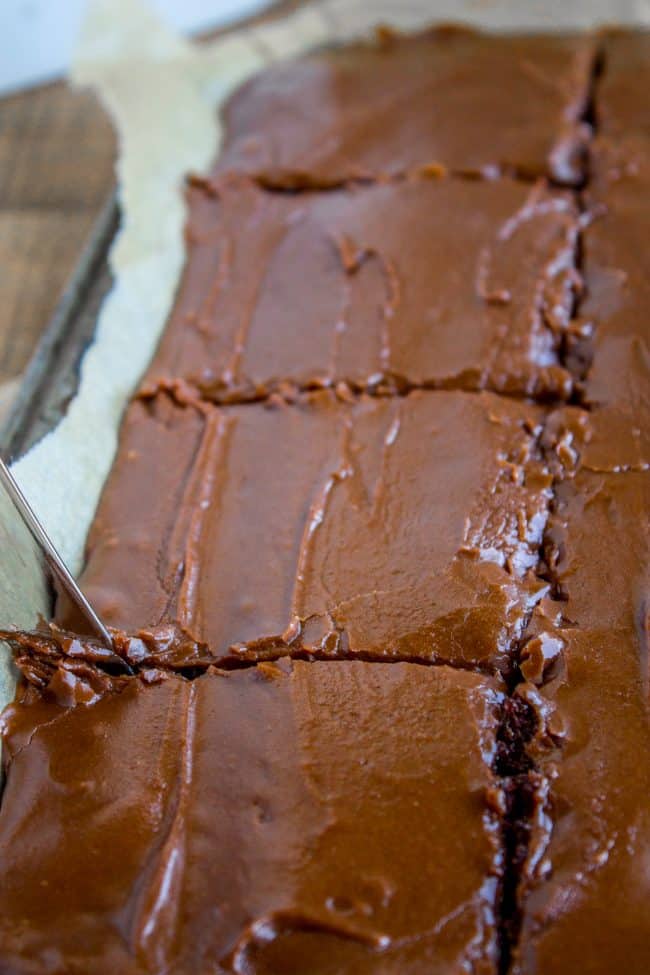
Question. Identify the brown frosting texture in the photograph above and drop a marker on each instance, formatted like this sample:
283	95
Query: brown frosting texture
622	102
234	829
615	348
470	102
432	282
374	546
585	877
404	526
586	880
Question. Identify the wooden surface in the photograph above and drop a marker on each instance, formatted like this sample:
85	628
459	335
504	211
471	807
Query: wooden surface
57	150
56	163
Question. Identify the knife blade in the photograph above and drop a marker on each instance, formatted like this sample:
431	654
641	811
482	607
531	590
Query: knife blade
30	565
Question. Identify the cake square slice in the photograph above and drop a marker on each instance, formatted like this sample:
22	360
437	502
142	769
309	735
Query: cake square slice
585	878
432	282
315	817
612	345
595	552
596	548
472	102
403	526
585	886
622	103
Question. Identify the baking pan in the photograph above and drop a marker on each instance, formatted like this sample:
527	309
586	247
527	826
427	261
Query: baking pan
52	376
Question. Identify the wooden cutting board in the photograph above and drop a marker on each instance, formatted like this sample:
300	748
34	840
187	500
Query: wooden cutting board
57	150
56	163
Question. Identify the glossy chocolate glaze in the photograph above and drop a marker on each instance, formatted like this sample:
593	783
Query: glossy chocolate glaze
467	101
583	883
432	282
622	104
584	887
392	527
426	749
617	284
235	829
606	514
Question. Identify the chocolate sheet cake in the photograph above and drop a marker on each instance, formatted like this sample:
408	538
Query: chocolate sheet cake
374	548
296	864
365	286
617	357
335	549
473	103
584	882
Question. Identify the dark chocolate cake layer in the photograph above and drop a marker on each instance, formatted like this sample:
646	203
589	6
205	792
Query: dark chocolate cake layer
307	817
434	282
468	101
399	527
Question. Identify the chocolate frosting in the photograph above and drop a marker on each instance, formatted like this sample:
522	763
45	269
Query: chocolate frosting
622	103
586	880
596	544
614	313
404	526
226	824
432	282
470	102
426	745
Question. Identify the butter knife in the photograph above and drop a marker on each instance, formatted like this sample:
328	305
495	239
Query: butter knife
29	563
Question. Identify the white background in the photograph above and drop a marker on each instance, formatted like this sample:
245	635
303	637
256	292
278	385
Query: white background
37	37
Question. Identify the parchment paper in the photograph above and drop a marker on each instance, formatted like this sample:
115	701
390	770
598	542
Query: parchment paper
163	93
